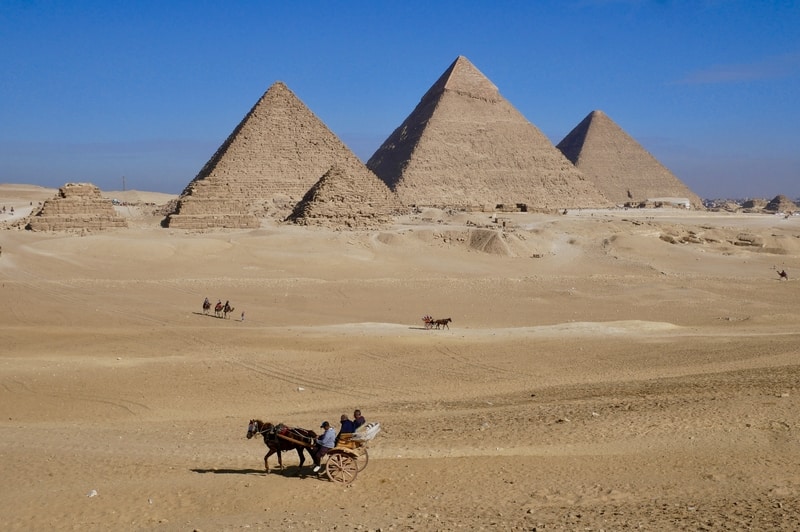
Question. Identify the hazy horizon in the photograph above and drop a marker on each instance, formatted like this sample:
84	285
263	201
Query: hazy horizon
97	91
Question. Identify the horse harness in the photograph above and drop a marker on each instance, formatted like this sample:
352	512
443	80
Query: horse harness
270	432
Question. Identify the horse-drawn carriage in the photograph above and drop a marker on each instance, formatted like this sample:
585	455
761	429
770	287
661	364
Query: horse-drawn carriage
431	323
342	463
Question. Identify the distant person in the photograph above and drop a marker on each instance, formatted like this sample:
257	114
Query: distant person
325	443
783	275
242	315
358	420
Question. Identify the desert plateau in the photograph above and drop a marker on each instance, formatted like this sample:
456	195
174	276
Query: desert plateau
605	369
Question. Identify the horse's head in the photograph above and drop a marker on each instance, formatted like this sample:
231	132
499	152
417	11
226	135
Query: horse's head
252	428
257	426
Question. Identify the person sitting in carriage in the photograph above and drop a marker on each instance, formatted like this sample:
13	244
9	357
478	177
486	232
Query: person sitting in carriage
358	419
325	443
348	427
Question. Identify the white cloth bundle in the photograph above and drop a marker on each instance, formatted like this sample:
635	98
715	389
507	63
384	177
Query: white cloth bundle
367	432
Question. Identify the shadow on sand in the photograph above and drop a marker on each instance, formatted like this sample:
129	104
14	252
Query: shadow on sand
289	471
207	315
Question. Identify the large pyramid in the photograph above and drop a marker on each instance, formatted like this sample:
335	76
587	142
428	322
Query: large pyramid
353	199
465	145
620	167
266	165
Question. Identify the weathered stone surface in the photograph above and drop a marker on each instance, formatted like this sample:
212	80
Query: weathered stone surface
755	205
464	145
77	206
347	198
620	167
781	203
266	165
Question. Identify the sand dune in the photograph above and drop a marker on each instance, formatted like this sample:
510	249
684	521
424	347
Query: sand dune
595	375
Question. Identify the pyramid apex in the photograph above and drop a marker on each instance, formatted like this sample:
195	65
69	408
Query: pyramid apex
279	86
463	77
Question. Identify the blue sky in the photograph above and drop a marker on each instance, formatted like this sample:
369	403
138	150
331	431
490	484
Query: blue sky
92	91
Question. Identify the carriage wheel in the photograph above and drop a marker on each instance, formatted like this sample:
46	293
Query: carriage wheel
341	467
361	460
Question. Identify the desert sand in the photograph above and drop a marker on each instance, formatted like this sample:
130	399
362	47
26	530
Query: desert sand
595	376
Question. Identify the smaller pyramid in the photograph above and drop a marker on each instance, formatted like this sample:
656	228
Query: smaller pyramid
352	198
77	206
781	203
618	165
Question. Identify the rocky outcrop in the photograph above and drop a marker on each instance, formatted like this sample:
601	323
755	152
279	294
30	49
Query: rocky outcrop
77	206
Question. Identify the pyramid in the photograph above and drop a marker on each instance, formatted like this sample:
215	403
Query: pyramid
781	203
77	206
620	167
266	165
465	145
352	199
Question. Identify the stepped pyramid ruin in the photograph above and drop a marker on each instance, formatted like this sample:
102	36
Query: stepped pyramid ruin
781	203
353	198
77	206
620	167
266	165
465	145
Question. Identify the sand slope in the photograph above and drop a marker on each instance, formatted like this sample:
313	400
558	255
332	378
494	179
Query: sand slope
595	376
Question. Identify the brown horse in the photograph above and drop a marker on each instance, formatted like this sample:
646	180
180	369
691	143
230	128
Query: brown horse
442	323
280	438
